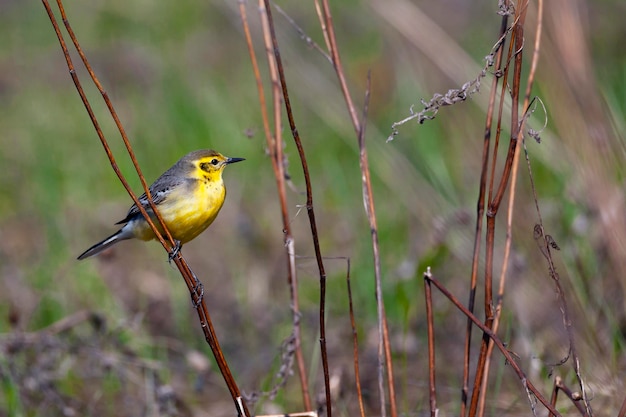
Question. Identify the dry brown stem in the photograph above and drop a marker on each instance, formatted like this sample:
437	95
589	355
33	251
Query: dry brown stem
193	284
275	147
309	205
489	334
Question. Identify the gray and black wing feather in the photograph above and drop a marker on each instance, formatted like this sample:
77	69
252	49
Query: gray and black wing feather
159	191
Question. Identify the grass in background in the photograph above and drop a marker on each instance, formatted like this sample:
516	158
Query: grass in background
180	79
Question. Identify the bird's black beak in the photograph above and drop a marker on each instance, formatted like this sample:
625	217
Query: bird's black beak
233	160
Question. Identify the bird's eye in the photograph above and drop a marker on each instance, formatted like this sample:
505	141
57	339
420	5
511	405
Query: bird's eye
214	161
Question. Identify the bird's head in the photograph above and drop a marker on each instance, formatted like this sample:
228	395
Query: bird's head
209	163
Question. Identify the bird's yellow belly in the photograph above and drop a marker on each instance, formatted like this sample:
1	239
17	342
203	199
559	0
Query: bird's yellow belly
188	213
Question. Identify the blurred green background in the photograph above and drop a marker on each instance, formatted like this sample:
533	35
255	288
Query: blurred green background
180	78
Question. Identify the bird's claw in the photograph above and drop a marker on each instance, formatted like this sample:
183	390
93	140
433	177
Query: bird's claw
174	251
197	295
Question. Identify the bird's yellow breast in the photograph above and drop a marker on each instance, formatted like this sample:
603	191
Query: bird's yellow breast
188	210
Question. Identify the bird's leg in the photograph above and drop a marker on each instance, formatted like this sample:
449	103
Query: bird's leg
174	252
197	293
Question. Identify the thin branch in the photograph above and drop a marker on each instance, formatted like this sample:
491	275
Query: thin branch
555	395
574	397
309	206
511	203
480	212
491	335
384	348
517	40
193	285
306	38
368	202
355	345
275	146
122	131
432	391
548	244
329	32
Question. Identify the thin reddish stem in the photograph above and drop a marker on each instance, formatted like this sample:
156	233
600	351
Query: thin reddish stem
309	207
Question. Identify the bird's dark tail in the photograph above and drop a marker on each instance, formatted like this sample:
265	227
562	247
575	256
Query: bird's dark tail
106	243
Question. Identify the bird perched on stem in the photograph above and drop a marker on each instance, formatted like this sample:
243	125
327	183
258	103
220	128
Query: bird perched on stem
188	196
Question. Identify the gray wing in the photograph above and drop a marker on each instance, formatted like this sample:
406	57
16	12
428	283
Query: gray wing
159	191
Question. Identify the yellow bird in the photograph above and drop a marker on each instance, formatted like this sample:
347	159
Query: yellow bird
188	196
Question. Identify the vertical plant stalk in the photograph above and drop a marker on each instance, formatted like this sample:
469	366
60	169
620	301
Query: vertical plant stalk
275	147
328	29
355	346
95	123
192	282
309	207
511	203
432	388
480	211
510	359
548	243
384	353
573	397
555	394
384	346
517	42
